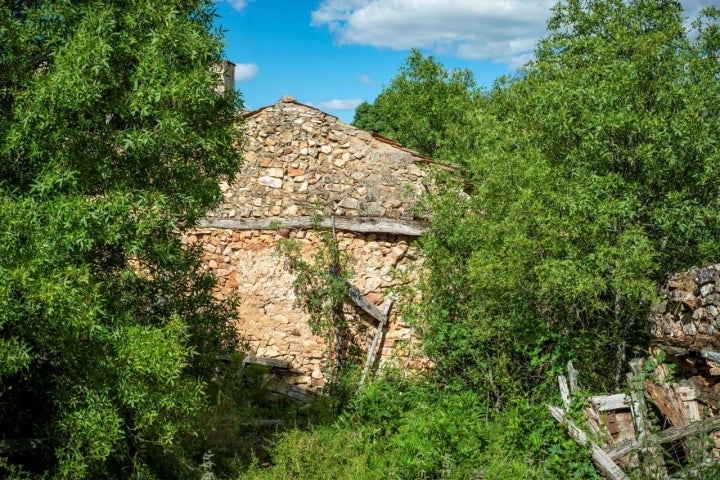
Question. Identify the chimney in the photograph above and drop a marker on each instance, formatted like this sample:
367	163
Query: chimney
227	76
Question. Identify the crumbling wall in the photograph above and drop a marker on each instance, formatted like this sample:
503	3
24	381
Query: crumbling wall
301	163
247	265
687	319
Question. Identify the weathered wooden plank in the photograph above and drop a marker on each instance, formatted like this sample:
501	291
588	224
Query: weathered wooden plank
572	377
366	305
410	228
605	403
289	390
665	399
564	391
268	362
686	393
604	463
666	436
372	353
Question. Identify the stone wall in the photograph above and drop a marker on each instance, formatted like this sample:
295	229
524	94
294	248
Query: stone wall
688	317
299	159
301	163
248	266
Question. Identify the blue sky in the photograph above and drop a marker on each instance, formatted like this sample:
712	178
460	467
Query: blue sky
333	54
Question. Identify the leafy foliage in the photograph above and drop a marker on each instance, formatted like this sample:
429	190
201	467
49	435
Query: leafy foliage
582	182
425	108
404	430
592	180
112	136
320	283
368	117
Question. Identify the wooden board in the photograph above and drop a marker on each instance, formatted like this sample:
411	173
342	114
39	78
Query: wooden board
364	304
605	403
410	228
289	390
268	362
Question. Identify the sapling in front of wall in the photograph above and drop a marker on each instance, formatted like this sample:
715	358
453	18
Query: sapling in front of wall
320	286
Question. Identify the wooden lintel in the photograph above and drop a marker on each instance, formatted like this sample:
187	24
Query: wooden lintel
410	228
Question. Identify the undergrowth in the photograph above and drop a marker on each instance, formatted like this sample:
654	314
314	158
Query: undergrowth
401	429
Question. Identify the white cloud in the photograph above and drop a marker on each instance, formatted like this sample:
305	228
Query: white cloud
503	31
340	104
237	4
246	71
366	80
497	30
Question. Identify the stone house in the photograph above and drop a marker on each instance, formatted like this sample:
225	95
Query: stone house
301	166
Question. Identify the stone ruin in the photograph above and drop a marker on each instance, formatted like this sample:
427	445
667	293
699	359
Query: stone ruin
668	425
302	167
687	320
685	326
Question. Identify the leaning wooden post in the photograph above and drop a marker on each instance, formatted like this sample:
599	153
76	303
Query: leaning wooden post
372	353
652	463
601	459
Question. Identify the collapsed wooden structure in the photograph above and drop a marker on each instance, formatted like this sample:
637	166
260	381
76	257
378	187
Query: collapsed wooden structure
669	422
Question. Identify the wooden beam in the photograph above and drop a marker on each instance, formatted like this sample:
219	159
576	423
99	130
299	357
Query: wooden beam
264	423
372	353
564	391
289	390
611	402
601	459
268	362
410	228
364	304
666	436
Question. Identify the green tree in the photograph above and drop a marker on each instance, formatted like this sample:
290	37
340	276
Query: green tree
368	117
112	137
593	178
426	108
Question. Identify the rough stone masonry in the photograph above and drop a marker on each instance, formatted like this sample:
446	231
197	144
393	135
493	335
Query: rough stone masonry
301	163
